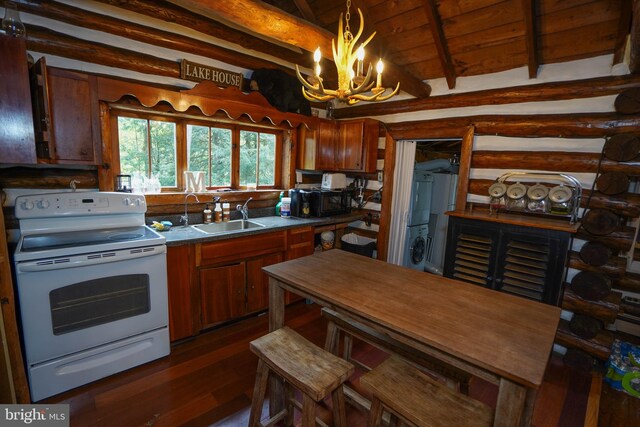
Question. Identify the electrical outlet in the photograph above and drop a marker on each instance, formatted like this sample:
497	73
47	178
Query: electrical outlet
380	175
377	197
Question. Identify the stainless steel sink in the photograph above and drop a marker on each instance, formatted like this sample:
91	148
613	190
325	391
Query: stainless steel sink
225	227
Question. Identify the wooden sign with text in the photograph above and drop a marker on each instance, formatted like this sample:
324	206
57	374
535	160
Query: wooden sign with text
198	72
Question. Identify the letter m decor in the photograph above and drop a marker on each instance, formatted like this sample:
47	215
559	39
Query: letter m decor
199	72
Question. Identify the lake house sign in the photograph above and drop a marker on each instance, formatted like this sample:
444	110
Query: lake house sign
198	72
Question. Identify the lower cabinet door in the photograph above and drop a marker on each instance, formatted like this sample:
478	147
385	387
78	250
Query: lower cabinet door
223	293
258	281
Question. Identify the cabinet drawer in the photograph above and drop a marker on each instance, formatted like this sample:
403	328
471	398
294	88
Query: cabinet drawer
241	248
300	235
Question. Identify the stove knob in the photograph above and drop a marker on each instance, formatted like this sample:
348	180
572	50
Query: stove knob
126	201
27	205
139	202
43	204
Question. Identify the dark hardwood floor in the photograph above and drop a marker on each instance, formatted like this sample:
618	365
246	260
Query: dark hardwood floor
209	381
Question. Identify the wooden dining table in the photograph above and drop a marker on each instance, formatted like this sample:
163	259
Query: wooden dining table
503	339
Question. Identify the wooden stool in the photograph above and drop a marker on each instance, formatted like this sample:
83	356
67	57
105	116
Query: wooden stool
454	378
418	400
303	366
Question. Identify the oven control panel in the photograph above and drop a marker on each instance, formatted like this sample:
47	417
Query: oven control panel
79	204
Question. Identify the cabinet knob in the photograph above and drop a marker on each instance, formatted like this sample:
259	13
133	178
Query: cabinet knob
489	278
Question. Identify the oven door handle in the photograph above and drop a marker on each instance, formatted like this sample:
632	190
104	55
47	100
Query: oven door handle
88	259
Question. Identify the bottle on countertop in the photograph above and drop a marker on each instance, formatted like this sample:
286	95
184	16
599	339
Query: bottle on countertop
279	204
206	214
226	211
285	208
218	213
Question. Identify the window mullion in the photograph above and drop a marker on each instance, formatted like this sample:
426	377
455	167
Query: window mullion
235	158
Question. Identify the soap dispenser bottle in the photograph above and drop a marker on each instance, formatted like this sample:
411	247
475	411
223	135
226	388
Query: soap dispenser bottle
207	214
218	213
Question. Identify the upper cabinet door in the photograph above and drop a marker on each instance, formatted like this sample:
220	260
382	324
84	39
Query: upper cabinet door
17	142
68	116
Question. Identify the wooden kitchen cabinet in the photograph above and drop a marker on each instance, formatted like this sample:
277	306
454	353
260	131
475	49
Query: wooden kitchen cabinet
222	291
521	260
182	303
17	141
67	116
258	281
342	146
232	283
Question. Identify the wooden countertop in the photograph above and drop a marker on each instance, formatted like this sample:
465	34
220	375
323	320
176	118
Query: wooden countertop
559	224
505	335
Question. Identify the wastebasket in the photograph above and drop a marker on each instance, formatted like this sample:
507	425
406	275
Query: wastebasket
358	244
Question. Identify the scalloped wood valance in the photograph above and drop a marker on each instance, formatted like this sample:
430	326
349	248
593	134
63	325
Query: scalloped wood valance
207	97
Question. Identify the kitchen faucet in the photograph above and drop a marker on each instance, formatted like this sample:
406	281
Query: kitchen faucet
244	209
185	218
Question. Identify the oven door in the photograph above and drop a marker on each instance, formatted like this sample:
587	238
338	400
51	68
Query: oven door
79	302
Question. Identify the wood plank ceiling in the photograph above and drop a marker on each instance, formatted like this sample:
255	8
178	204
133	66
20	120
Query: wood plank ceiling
431	39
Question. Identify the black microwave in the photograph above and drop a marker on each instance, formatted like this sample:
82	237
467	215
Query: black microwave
330	202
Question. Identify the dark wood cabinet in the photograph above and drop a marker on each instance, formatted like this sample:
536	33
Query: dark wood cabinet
67	116
521	260
300	242
17	141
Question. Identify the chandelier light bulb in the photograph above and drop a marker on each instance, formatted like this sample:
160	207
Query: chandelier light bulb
317	55
379	69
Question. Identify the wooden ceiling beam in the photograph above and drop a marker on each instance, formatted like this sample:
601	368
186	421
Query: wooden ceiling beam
634	62
272	22
305	10
435	24
174	14
529	11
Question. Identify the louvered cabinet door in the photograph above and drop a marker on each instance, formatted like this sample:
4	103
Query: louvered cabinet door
471	252
531	263
524	261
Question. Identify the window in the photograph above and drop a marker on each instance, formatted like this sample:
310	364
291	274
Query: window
229	155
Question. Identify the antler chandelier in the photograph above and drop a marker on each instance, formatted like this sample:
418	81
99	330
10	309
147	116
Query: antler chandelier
352	84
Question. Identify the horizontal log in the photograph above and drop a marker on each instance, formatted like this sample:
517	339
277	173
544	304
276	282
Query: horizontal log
627	204
616	266
564	161
157	37
42	40
629	282
599	347
555	91
581	125
50	178
606	309
628	308
618	240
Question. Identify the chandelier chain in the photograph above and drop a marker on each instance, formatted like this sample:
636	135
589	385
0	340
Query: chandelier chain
347	31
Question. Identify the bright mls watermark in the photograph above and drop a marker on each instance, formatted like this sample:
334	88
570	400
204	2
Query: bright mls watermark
34	415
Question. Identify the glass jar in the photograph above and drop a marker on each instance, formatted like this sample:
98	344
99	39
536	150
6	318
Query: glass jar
560	200
516	197
537	195
497	199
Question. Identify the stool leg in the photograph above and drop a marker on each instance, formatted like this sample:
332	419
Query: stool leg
331	342
289	405
348	344
259	389
375	413
308	411
339	407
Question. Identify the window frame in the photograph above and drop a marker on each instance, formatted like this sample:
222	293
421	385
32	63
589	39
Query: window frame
181	122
